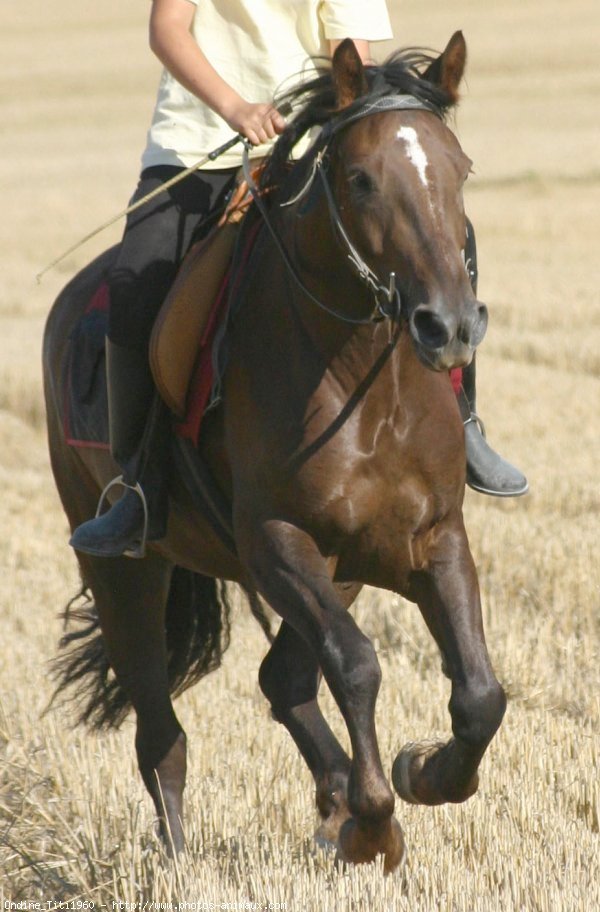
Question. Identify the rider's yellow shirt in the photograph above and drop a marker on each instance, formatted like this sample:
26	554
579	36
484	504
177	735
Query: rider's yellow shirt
258	47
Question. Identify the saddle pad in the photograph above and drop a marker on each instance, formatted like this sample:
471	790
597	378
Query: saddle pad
183	325
85	421
85	412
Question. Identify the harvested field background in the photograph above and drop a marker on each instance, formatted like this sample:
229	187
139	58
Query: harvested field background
75	822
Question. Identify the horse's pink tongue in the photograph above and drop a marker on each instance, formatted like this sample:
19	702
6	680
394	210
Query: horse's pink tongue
456	379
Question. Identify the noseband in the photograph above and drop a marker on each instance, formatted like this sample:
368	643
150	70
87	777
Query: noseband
388	304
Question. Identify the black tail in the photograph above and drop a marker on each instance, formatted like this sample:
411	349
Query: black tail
197	631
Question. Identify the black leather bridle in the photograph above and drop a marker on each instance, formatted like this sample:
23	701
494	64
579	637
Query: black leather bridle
388	304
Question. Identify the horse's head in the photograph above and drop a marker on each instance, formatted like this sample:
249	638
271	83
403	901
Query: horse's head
398	180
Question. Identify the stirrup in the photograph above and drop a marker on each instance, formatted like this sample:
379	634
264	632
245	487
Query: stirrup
140	551
474	417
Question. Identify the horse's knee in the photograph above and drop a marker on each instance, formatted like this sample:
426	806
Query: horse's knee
289	674
281	689
477	711
349	658
268	674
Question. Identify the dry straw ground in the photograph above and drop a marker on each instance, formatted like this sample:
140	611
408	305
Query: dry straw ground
74	820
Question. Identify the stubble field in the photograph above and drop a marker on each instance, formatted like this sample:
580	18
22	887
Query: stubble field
75	822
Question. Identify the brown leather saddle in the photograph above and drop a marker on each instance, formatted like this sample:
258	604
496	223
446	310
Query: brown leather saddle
179	329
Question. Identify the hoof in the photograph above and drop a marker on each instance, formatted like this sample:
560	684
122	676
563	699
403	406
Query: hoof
408	766
361	843
418	775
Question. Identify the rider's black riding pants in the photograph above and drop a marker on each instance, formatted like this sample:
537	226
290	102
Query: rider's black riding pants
157	237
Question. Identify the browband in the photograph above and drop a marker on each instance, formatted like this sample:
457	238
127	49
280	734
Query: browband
382	103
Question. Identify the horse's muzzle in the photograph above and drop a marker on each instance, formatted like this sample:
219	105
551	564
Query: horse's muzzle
445	339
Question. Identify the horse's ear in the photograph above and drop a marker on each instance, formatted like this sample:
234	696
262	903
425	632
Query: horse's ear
349	78
447	71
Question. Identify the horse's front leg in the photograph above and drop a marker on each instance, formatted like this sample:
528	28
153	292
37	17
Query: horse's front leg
289	678
448	596
293	576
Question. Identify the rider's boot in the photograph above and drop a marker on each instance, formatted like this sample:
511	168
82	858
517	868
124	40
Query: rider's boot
139	438
487	472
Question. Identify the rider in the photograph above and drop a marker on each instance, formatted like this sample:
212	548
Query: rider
216	54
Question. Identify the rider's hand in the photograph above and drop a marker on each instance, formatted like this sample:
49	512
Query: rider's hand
257	122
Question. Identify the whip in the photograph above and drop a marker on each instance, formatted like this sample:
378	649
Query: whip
125	212
284	109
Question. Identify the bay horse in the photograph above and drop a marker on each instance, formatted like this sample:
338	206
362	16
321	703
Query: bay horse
339	446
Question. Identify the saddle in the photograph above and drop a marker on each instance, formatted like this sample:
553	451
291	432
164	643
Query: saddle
182	342
192	311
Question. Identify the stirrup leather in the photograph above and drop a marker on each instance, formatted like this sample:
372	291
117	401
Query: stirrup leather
140	551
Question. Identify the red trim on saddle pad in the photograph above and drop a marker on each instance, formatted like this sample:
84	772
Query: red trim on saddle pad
204	373
203	377
100	300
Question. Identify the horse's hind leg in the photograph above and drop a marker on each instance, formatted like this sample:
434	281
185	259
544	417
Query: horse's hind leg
448	596
289	678
131	598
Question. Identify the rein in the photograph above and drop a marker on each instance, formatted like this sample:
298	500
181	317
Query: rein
388	304
284	253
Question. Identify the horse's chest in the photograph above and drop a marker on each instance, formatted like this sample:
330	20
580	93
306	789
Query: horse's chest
378	490
377	522
386	546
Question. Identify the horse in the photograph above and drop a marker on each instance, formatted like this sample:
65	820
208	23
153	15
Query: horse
339	447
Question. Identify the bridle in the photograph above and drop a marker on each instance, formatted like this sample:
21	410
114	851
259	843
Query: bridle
387	300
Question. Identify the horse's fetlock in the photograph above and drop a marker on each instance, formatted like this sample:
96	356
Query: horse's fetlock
331	792
372	805
477	712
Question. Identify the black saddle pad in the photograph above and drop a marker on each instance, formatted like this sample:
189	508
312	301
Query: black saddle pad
86	406
86	415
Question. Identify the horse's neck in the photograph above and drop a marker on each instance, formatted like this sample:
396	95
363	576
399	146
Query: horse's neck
292	346
309	352
323	267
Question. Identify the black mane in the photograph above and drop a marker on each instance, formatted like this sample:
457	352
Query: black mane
402	73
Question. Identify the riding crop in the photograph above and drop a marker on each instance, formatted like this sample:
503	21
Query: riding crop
285	109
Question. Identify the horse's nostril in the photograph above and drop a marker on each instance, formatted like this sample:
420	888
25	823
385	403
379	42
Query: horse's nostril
429	328
478	331
473	325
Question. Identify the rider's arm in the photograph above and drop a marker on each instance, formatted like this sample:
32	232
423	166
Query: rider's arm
174	45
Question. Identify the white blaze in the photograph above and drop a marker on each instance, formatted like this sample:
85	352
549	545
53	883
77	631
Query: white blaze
415	151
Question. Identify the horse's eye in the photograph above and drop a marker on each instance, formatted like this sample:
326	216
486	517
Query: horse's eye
360	182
